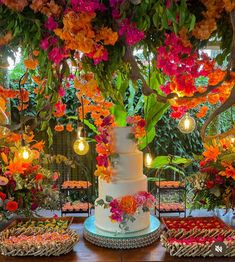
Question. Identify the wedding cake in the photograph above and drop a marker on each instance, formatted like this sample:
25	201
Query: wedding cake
127	179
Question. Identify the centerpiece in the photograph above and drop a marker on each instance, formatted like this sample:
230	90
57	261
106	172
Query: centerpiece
122	210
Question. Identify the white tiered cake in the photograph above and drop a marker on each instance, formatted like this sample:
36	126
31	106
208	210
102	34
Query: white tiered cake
128	179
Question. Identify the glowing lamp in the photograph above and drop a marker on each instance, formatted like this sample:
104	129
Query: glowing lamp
148	160
25	154
81	146
186	124
232	140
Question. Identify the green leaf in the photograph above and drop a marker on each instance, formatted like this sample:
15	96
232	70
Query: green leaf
91	126
108	198
99	202
50	136
192	23
147	139
120	114
228	157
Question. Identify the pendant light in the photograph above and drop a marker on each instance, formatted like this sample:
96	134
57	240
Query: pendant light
81	145
148	160
186	124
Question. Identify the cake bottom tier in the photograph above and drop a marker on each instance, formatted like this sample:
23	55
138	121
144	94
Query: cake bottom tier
102	221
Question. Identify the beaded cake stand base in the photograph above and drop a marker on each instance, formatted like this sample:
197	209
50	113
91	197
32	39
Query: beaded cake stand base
106	239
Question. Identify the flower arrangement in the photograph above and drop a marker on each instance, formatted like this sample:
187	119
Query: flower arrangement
25	185
104	146
125	208
214	185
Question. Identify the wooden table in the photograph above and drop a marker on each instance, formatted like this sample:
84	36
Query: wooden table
85	251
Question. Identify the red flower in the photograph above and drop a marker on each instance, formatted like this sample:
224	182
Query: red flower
2	196
141	123
12	206
209	184
38	177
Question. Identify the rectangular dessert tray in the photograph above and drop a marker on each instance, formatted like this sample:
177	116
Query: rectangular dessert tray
188	223
196	242
52	222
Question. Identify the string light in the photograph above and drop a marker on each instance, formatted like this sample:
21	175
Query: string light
81	146
232	139
148	160
186	124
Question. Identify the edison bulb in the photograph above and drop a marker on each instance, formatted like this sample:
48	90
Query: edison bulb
25	154
232	140
81	146
186	124
148	160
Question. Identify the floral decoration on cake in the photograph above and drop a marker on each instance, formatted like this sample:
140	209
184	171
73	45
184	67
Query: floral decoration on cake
106	156
124	209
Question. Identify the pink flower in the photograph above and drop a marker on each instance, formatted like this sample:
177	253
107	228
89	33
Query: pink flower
132	33
55	176
116	212
57	54
44	43
102	138
51	24
61	92
53	41
87	6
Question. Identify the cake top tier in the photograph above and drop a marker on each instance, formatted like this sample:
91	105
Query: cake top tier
122	140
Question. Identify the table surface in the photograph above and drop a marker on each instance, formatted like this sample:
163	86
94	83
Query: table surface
85	251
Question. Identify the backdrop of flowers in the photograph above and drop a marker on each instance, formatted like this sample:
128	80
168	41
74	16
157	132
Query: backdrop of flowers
103	47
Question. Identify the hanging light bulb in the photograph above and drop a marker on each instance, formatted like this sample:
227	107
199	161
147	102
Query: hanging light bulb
186	124
80	146
232	140
4	120
148	160
25	154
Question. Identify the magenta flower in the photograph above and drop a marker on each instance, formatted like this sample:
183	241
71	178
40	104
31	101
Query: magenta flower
87	6
102	160
51	24
57	55
132	33
44	43
102	138
53	41
61	92
107	121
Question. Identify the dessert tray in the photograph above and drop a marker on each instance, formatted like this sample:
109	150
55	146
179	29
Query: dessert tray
55	222
80	206
197	236
35	241
76	184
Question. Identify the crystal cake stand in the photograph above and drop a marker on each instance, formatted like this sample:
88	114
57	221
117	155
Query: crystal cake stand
106	239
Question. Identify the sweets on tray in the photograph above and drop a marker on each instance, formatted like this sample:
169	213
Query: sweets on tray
37	241
194	223
75	184
170	184
76	206
197	242
52	223
170	207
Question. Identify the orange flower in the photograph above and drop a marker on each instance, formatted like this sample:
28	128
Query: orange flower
211	153
39	145
16	167
6	38
35	52
15	4
36	80
229	171
4	158
202	112
103	173
107	35
213	98
128	204
13	137
69	127
29	137
59	128
31	63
